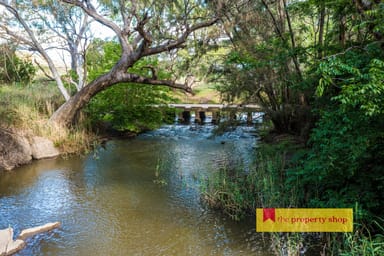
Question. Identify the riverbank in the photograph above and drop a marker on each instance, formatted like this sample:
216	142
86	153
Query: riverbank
135	196
18	149
25	130
276	180
24	118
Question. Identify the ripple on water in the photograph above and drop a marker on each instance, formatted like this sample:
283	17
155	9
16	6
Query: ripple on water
110	205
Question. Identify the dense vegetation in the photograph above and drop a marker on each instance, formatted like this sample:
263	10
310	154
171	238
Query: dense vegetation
13	68
319	74
126	106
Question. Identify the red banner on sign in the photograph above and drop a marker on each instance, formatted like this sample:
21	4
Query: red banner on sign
269	213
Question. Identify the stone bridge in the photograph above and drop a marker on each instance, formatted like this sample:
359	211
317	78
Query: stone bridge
216	110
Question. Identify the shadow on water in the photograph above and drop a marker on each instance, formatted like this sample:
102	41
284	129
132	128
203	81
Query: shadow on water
133	197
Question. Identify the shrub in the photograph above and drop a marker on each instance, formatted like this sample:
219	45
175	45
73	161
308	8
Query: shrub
13	68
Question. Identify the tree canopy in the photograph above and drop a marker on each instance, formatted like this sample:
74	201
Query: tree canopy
142	28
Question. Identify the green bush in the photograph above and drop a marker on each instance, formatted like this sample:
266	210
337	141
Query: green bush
13	68
126	107
344	165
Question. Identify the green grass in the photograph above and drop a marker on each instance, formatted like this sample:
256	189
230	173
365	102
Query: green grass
238	193
203	93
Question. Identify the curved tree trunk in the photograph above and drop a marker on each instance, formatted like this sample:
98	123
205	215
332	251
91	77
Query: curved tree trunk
66	114
137	33
136	43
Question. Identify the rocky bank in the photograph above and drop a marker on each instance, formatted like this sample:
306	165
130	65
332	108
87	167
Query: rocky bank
17	149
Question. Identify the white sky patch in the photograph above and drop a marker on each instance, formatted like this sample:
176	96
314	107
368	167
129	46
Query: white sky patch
101	31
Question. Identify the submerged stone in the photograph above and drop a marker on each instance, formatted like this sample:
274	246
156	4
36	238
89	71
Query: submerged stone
6	237
15	246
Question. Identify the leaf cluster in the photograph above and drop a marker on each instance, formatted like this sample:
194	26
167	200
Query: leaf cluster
13	68
126	106
343	165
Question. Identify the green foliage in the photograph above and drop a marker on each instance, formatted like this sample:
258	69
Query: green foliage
264	66
355	80
342	73
343	166
126	107
358	244
13	68
101	57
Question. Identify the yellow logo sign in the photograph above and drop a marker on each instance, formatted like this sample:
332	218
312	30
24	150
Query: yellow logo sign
304	220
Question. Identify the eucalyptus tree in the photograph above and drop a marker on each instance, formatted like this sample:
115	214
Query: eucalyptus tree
265	64
143	29
278	47
21	23
72	28
41	26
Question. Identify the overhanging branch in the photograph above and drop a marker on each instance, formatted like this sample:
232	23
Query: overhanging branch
177	43
43	70
133	78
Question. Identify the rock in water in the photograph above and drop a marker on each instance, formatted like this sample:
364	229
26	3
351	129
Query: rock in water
36	230
6	237
15	246
43	148
8	246
14	150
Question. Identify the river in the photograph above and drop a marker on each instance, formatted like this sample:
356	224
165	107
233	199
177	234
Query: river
132	197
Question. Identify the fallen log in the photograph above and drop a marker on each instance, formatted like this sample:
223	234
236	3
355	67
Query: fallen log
8	246
37	230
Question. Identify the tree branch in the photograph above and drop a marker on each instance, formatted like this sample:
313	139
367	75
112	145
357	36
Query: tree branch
42	70
39	48
15	36
91	11
133	78
140	28
153	71
273	20
177	43
293	43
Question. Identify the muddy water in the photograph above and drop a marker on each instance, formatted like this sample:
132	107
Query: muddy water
132	197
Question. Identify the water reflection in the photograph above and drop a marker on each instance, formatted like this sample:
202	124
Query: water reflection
110	205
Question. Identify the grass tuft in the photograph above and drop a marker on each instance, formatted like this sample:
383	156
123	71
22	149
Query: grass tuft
26	110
